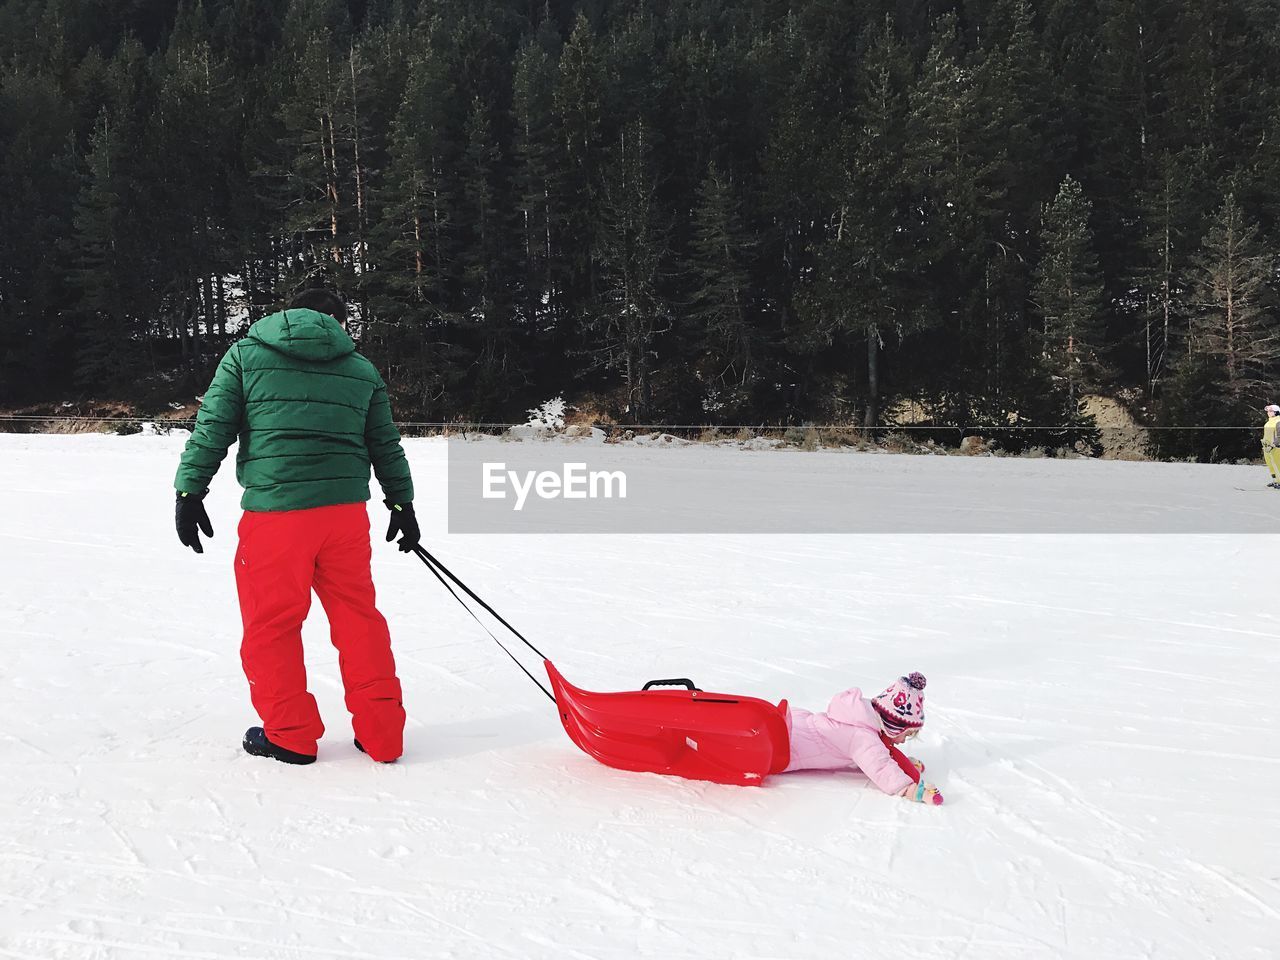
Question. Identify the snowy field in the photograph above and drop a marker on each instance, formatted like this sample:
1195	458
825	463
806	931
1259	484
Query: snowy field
1102	720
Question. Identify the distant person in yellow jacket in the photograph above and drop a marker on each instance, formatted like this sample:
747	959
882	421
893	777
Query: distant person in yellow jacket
1271	444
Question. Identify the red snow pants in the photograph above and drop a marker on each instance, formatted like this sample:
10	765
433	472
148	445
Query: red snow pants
282	557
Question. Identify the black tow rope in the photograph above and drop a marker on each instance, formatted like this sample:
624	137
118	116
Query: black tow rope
440	571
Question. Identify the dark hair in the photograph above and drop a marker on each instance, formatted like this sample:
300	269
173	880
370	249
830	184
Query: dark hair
322	301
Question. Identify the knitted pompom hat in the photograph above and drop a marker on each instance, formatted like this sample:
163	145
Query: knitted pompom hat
902	704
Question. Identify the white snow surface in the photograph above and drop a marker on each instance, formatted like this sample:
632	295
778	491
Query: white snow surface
1101	719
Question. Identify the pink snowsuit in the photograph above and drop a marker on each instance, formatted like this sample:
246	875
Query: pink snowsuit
847	735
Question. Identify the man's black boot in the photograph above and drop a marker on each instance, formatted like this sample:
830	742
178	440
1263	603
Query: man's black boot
360	747
256	744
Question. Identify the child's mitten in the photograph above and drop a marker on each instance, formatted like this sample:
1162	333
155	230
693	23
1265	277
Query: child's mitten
918	765
923	793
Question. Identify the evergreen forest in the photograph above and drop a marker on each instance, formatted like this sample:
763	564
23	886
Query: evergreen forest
678	211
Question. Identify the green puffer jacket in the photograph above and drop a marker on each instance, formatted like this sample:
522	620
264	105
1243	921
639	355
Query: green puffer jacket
311	413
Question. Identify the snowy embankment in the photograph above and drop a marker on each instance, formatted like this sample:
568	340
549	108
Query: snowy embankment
1102	721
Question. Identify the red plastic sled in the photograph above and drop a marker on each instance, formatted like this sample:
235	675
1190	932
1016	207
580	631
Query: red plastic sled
682	733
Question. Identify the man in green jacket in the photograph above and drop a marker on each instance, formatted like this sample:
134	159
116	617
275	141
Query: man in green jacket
312	416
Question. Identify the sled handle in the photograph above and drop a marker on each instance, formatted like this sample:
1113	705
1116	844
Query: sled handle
679	682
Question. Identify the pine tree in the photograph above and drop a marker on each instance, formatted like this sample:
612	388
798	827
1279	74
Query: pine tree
362	147
108	265
484	265
799	177
859	291
537	181
306	178
1021	144
721	307
1168	210
1068	294
37	180
416	243
112	244
578	106
414	278
480	257
189	185
633	245
1232	323
1119	136
956	161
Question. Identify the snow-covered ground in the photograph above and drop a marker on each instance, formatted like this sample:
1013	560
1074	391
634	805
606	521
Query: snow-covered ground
1102	720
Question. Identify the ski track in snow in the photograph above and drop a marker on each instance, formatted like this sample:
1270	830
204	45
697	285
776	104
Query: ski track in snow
1102	723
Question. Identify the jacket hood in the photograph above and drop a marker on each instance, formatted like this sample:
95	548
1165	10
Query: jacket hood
850	707
303	335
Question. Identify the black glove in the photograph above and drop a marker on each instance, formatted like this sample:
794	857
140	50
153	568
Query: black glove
403	521
190	514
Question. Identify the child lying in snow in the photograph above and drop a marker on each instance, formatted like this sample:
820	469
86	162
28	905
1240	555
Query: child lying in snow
855	733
